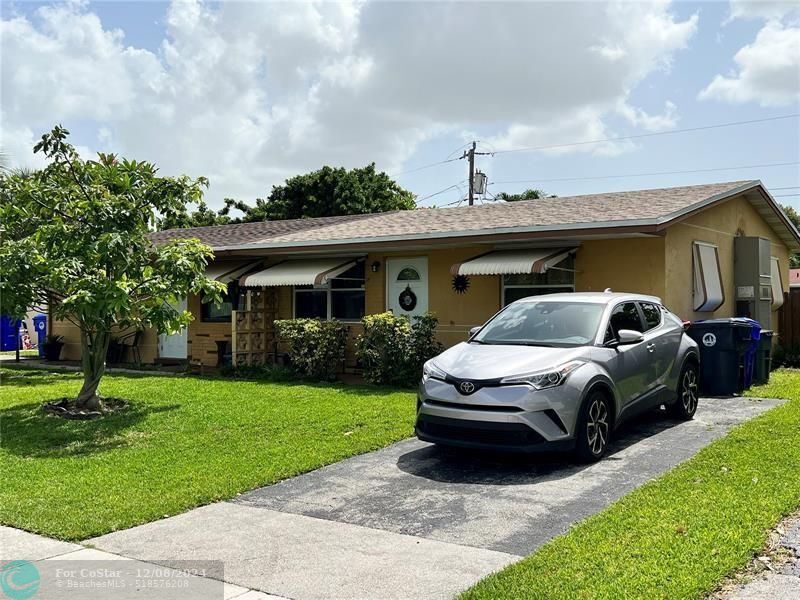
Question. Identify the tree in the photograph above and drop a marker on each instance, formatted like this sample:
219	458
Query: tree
794	217
529	194
325	193
203	216
75	235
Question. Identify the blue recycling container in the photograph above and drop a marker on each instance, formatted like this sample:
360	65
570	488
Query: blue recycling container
750	352
40	325
9	333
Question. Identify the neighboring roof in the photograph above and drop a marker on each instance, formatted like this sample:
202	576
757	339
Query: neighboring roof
794	277
645	211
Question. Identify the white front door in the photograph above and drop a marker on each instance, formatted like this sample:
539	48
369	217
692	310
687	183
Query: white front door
407	285
175	345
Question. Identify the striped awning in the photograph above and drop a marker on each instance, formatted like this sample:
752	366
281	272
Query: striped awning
227	271
316	271
512	262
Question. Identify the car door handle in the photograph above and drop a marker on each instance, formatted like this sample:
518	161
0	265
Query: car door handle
651	347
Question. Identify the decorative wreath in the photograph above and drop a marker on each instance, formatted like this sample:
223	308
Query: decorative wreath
408	299
460	284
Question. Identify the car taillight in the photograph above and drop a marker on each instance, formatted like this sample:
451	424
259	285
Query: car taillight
686	325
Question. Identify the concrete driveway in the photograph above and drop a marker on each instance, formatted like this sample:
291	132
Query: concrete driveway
413	520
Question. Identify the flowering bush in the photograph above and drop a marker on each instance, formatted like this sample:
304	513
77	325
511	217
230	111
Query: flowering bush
392	349
316	348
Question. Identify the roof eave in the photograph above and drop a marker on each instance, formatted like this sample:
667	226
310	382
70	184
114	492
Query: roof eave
756	185
644	226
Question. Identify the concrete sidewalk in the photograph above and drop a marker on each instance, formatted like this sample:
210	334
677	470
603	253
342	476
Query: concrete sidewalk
413	520
782	583
48	554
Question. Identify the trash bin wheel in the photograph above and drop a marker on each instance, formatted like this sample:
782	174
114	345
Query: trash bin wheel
688	394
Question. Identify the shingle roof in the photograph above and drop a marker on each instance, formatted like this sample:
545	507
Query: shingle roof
615	209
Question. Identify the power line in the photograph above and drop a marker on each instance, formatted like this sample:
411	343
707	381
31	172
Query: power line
646	135
653	173
423	167
785	195
786	187
442	191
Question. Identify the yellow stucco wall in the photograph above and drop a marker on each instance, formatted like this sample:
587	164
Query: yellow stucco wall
457	313
718	225
634	265
148	345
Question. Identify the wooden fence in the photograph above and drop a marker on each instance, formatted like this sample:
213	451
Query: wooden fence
790	320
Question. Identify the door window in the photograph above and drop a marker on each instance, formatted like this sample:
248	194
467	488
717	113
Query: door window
626	316
652	315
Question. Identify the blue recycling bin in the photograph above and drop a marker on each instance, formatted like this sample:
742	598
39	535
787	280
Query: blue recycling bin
750	352
40	325
9	333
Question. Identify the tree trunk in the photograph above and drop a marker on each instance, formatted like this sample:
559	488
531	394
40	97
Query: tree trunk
93	360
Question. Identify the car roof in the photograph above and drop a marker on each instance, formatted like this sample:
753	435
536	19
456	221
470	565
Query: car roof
591	297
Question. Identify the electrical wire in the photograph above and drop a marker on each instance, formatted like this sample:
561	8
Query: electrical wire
442	191
423	167
647	135
653	173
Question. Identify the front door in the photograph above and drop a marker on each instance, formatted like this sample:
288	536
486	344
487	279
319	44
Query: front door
175	345
407	285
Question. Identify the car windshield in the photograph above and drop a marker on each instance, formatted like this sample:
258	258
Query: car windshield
544	323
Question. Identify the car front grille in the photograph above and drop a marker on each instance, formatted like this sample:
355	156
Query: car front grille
476	432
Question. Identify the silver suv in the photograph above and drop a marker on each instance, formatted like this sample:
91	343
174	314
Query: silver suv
559	371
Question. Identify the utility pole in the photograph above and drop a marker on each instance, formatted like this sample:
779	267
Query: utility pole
472	174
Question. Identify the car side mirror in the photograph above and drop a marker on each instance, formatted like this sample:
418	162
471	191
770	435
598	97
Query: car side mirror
474	330
627	337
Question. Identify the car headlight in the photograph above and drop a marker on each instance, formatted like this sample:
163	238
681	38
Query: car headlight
431	371
545	379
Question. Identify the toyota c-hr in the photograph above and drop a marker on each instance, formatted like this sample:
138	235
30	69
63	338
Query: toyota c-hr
559	371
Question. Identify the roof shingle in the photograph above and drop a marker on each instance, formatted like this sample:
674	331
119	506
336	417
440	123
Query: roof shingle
609	208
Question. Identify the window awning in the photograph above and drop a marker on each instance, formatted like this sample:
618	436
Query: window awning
708	291
227	271
777	283
315	271
512	262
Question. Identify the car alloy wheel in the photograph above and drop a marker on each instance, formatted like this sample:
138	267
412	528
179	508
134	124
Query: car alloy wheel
597	426
689	391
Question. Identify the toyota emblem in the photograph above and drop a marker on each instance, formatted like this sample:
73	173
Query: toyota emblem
467	387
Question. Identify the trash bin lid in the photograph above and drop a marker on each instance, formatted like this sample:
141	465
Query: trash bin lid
726	322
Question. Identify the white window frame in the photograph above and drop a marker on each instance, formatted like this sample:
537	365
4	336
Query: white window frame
777	290
700	297
566	287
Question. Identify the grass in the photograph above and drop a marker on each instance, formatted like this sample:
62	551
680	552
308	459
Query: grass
184	442
27	353
681	534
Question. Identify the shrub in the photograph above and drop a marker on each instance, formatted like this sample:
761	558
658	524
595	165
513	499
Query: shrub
316	348
786	357
392	349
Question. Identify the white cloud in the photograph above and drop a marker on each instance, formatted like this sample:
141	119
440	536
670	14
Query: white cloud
768	69
763	9
250	93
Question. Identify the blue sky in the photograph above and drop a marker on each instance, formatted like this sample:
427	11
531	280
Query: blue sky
250	93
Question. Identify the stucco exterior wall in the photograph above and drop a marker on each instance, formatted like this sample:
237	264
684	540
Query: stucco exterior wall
148	345
457	313
718	225
633	265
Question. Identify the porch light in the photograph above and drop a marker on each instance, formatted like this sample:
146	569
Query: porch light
375	267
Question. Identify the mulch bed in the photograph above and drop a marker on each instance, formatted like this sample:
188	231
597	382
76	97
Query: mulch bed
66	409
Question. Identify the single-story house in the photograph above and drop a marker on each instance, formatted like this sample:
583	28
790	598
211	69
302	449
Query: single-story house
714	250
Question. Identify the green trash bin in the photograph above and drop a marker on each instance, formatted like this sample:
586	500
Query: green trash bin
763	358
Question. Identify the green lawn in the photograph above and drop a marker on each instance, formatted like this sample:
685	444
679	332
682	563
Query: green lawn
681	534
184	442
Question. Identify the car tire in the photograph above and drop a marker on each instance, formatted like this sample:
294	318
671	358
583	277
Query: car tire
594	428
687	396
